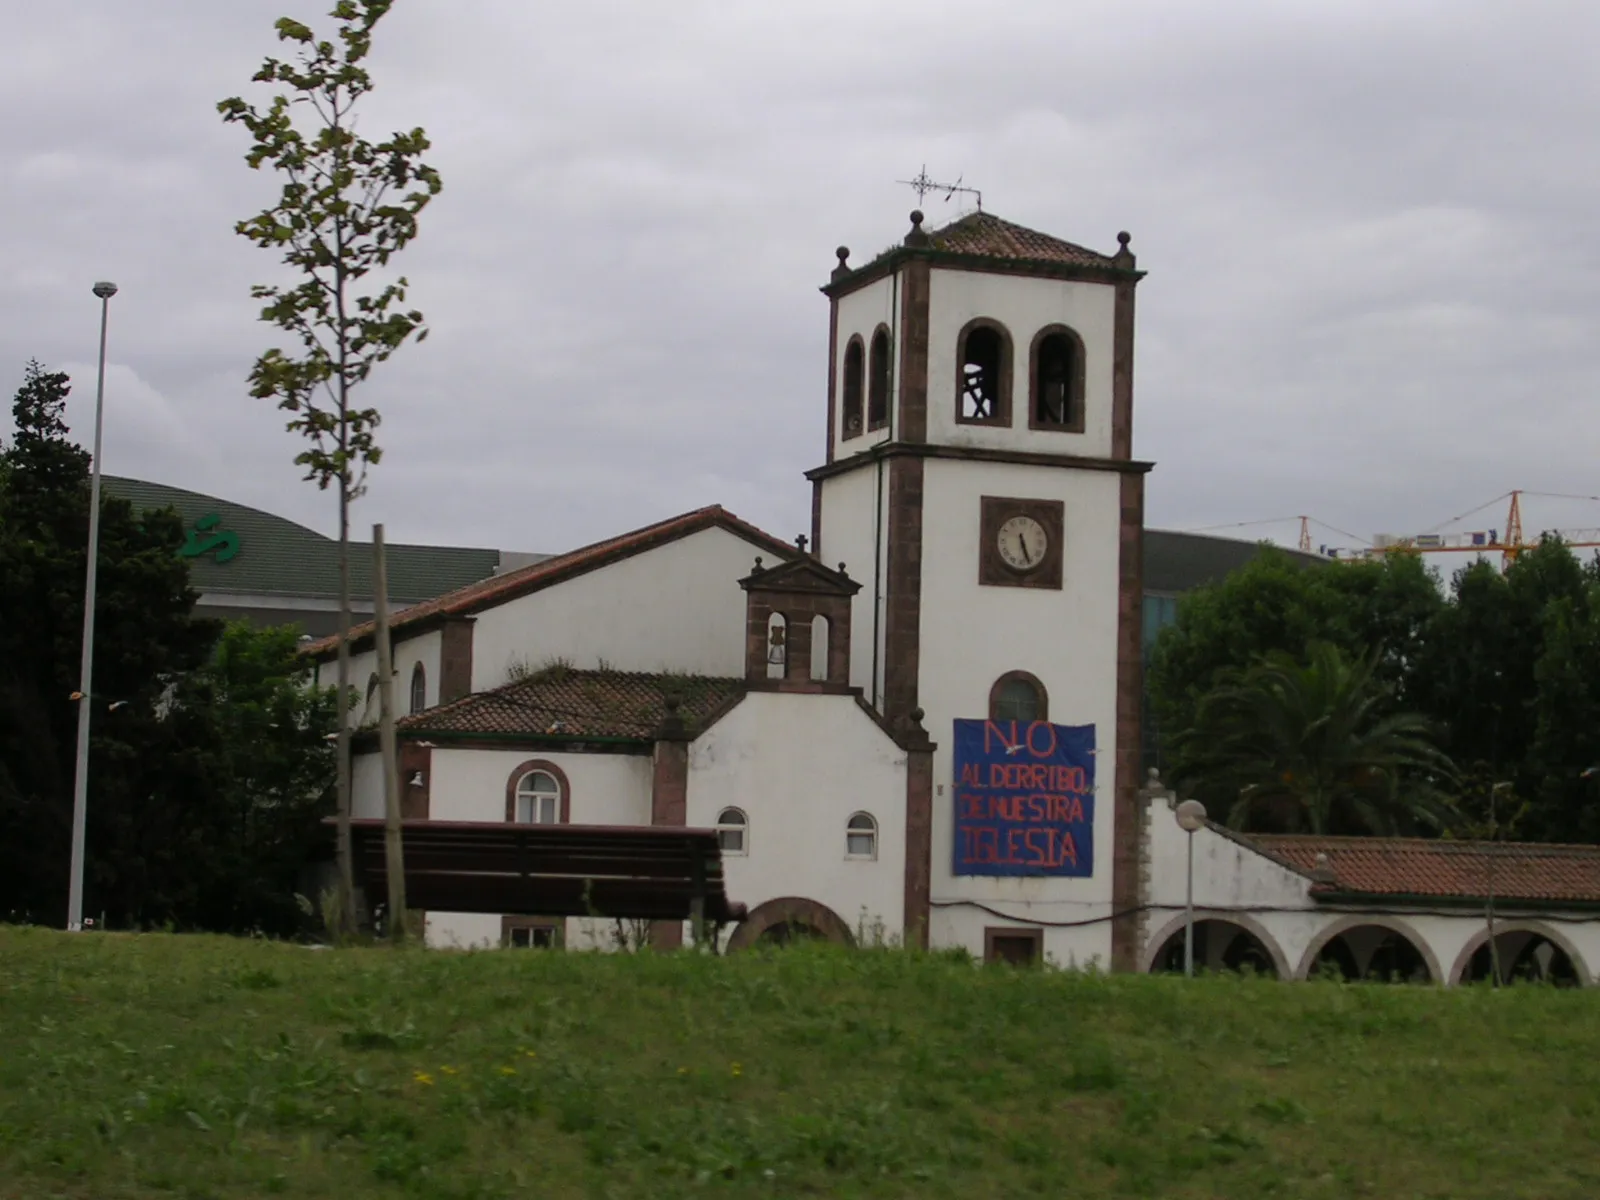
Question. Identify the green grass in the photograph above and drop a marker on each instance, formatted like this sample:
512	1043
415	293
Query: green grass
156	1066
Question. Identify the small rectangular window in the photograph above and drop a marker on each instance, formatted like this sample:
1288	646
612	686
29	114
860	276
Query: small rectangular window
1019	947
532	934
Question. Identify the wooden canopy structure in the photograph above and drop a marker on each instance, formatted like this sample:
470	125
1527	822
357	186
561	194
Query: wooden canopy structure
645	872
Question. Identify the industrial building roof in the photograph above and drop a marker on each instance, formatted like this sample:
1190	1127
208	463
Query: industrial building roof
236	549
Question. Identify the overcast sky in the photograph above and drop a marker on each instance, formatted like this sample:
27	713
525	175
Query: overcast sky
1370	228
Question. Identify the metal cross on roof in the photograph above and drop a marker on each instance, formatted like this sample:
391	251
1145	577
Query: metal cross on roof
922	185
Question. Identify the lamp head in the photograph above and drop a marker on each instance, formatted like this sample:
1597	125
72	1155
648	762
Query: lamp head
105	290
1191	815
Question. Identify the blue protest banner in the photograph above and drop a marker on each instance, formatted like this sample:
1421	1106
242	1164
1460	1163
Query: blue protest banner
1024	798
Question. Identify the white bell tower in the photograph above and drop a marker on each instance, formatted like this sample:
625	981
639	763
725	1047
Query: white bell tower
980	481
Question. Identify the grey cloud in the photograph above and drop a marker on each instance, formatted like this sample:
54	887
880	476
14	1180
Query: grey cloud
1373	269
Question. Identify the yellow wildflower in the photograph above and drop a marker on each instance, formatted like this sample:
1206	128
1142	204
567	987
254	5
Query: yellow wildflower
683	1070
448	1070
423	1078
508	1070
530	1054
737	1070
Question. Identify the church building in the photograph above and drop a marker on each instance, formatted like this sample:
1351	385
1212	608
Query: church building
921	722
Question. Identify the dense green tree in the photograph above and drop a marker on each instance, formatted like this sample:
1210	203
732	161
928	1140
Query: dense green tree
206	760
1313	746
1506	666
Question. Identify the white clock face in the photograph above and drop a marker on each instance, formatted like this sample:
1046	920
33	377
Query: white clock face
1022	543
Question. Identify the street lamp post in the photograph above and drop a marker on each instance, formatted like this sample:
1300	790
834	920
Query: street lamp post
1191	816
80	781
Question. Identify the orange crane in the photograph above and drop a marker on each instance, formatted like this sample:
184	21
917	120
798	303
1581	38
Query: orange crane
1509	546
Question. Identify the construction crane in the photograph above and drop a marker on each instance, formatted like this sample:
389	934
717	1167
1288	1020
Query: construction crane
1508	543
1486	541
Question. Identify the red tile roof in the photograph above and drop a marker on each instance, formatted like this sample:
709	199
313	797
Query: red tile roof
988	236
563	702
1443	869
497	589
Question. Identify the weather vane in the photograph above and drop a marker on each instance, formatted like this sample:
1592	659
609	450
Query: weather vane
922	185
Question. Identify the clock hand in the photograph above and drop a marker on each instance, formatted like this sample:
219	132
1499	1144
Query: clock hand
1023	542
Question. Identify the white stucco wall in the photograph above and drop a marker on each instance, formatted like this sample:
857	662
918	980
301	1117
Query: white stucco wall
972	634
470	785
423	648
799	766
860	314
849	511
677	607
1024	306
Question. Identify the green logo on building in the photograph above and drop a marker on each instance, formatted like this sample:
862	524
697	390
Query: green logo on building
205	537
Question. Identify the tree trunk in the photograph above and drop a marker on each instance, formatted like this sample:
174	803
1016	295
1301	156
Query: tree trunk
393	851
347	891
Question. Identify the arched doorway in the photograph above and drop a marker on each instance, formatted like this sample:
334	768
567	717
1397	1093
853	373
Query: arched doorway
1526	956
1371	952
1219	945
787	920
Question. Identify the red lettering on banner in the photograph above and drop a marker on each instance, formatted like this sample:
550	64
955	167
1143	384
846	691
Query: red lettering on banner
970	775
1050	732
991	729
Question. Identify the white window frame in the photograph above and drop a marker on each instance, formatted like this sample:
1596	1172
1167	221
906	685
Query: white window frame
741	826
852	830
539	799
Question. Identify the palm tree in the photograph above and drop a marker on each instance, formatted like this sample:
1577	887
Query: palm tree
1311	747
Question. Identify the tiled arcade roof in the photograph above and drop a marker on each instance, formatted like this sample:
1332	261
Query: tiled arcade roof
1444	869
563	702
487	593
988	236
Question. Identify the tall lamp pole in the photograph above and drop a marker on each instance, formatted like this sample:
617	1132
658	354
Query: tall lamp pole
1191	816
80	780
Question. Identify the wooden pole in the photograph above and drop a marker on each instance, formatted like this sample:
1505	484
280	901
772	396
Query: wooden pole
393	850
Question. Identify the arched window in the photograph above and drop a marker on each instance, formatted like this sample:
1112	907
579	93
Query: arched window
861	836
819	648
419	688
733	829
538	799
983	374
1056	380
1018	696
777	646
878	380
853	371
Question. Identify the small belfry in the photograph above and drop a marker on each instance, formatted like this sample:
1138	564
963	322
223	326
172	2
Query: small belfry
798	625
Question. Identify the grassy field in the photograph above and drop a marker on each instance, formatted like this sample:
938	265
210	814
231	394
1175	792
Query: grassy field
145	1066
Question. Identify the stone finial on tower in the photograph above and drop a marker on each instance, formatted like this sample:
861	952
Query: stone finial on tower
1124	257
918	236
843	269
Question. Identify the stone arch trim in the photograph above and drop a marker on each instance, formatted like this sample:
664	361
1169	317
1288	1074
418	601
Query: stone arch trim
873	379
549	768
1280	961
1361	920
1079	411
1555	937
785	909
853	387
1003	416
1031	680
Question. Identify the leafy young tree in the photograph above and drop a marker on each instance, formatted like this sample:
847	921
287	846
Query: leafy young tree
347	205
1313	746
